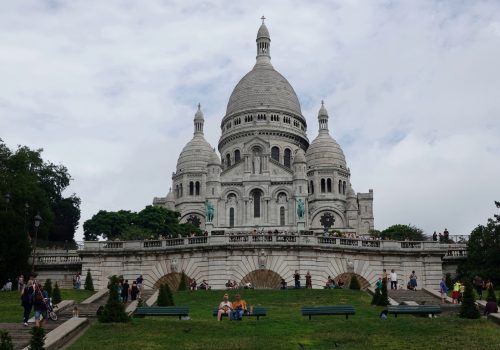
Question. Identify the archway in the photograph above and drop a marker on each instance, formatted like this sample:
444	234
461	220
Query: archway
173	280
263	279
346	278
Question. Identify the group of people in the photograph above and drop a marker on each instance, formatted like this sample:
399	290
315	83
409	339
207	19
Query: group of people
203	285
234	310
442	237
127	291
33	297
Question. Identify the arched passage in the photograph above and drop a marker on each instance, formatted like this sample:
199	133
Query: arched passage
263	279
173	280
346	278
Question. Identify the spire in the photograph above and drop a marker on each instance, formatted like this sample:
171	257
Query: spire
323	118
263	44
198	121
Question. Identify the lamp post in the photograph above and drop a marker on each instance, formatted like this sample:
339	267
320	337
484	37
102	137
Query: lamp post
37	220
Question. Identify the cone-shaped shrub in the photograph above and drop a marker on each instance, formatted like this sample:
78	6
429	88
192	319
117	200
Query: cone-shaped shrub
165	297
89	284
37	338
383	299
114	310
5	341
376	296
48	287
491	295
354	283
56	295
183	284
468	308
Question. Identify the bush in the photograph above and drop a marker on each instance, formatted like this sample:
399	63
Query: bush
5	341
448	280
48	287
56	294
383	299
376	297
165	297
37	341
468	308
491	295
183	284
354	283
114	310
89	284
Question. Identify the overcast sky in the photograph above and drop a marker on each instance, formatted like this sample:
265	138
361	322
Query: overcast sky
110	88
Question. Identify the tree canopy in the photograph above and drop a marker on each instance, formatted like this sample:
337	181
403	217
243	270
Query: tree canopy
400	232
152	221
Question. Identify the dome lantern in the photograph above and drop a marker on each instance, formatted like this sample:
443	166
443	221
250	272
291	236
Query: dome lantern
323	118
263	44
198	121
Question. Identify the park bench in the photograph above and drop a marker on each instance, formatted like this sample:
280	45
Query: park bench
179	311
328	310
257	312
414	309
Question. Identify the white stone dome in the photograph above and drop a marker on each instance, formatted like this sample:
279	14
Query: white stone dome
214	158
195	155
300	156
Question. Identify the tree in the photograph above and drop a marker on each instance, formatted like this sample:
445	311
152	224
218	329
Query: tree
37	341
384	298
5	341
114	310
15	248
468	308
89	284
165	297
400	233
48	287
354	283
56	294
183	283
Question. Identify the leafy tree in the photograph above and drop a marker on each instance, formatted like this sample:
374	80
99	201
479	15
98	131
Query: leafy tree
491	295
354	283
5	341
183	283
114	310
400	233
14	249
48	287
56	294
89	283
165	297
468	308
37	341
384	298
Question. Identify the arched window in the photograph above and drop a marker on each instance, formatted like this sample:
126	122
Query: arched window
329	185
191	188
177	191
287	157
282	216
237	156
228	160
197	188
340	187
213	191
343	188
231	217
275	153
257	195
181	191
322	185
311	185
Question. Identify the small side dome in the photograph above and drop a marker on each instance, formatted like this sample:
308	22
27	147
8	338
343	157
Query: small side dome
214	159
300	156
350	192
170	196
325	152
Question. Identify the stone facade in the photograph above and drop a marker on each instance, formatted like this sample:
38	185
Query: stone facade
269	174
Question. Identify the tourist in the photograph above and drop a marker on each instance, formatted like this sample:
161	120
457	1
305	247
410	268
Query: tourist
385	276
330	283
462	291
443	289
413	281
456	292
225	307
296	277
341	283
204	285
192	285
283	284
26	301
239	308
394	280
7	287
308	280
134	291
20	283
478	284
77	281
139	281
434	236
125	291
379	284
491	307
39	300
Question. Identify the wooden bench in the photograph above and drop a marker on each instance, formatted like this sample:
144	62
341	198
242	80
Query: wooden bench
414	309
257	312
179	311
328	310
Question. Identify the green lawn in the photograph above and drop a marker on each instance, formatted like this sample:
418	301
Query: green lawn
285	328
12	311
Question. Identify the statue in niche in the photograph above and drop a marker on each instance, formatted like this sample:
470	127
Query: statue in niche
300	209
210	211
262	259
256	162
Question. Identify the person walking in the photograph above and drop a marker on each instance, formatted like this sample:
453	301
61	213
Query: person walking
308	280
296	277
394	280
125	290
413	281
26	301
134	291
39	300
443	288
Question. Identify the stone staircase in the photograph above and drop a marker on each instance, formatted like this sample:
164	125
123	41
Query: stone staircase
423	298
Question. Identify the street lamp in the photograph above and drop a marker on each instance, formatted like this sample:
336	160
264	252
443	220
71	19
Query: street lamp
37	220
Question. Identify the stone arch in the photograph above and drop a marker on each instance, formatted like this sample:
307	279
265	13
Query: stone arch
196	212
347	276
263	279
256	187
274	193
231	190
173	280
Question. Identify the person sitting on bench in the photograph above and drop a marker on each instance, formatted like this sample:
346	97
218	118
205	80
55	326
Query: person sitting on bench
239	308
225	307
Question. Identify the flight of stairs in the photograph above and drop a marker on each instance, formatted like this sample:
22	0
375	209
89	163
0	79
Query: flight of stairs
422	298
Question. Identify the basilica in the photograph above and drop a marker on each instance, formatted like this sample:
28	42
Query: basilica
268	175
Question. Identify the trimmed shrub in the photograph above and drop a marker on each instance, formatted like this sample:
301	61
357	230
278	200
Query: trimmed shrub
5	341
448	280
165	297
183	284
89	283
376	297
56	294
114	310
383	299
48	287
468	308
37	341
354	283
491	295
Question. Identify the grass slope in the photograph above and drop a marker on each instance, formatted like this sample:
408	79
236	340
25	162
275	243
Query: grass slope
12	311
285	328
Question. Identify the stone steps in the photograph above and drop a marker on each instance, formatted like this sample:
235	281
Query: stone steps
20	334
419	296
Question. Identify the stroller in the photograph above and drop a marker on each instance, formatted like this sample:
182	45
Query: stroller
48	306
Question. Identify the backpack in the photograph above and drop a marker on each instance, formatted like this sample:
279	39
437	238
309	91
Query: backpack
38	298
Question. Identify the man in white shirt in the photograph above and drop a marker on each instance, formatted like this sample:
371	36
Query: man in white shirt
225	307
394	280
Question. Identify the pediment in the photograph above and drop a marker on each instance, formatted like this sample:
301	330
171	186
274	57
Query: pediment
234	172
256	141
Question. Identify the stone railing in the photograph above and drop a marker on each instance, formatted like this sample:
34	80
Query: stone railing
264	240
55	258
